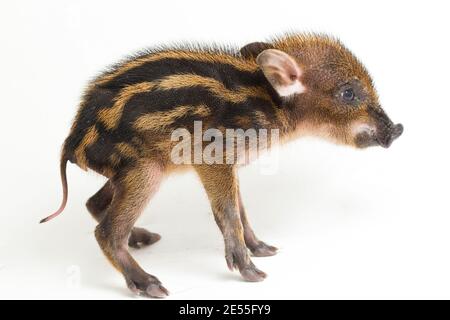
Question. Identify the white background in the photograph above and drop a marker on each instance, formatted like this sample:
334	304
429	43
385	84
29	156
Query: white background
349	224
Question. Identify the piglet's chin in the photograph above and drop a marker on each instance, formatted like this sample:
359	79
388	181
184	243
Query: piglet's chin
366	139
365	135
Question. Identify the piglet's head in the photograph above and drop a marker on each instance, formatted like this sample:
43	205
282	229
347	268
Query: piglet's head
330	91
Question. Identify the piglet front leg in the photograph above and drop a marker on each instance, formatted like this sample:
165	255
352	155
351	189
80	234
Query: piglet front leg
221	185
257	247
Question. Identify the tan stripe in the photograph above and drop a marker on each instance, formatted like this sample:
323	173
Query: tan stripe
162	119
108	172
201	110
243	121
127	150
115	159
261	118
80	153
110	116
212	85
238	63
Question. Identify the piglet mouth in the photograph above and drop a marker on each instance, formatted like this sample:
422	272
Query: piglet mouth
385	137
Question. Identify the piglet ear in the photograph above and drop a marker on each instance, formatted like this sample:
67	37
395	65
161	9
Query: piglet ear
252	50
282	71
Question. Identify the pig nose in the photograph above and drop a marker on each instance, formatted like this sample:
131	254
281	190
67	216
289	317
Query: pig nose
395	132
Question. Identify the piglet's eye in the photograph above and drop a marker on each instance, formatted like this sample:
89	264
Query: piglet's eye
348	94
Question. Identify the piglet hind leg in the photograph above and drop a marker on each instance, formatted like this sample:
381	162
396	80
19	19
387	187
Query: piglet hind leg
98	205
221	185
133	187
257	247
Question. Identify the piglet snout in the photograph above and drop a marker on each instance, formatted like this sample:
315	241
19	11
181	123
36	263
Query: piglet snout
386	140
397	131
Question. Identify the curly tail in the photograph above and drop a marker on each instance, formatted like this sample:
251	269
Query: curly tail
63	166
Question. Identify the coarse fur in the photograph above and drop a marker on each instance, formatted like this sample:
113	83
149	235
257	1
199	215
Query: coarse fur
297	83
